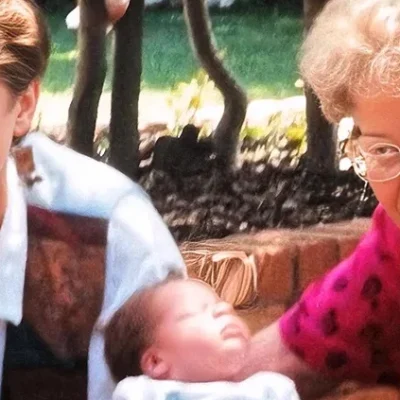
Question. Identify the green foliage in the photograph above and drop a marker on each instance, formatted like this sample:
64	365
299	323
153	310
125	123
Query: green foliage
285	130
253	132
185	99
284	136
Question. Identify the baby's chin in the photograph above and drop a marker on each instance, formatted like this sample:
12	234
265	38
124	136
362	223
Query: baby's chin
236	360
227	368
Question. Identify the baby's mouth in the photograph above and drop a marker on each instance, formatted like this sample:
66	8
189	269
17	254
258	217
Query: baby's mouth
233	330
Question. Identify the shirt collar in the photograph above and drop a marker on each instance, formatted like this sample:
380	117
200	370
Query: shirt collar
13	249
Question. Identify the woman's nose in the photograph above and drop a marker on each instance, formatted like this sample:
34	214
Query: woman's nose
222	308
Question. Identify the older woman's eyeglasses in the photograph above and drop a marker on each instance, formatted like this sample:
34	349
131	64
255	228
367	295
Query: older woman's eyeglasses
373	160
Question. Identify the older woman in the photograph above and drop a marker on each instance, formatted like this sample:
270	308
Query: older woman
347	325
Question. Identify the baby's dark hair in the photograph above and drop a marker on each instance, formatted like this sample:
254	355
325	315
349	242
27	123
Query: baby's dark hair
130	332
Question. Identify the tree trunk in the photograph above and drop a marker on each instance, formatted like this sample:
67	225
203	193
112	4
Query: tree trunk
321	137
321	152
124	135
91	72
226	136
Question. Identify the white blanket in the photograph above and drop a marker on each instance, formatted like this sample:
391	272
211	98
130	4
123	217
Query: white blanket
261	386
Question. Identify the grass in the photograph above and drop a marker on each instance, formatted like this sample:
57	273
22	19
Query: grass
259	46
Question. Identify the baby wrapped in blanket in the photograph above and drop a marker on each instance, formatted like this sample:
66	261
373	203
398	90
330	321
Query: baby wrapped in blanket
178	340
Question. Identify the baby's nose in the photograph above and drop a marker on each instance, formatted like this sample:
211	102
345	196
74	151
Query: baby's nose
222	308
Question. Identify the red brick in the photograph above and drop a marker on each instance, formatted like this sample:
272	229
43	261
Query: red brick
273	236
275	265
346	246
347	238
356	225
315	258
317	253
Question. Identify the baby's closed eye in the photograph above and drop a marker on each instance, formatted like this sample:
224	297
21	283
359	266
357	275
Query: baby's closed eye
195	311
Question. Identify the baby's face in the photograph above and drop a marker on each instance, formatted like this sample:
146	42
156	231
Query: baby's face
199	335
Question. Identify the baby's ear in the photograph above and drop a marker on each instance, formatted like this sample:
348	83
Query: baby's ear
153	365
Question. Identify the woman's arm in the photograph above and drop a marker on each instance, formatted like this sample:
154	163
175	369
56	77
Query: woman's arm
269	353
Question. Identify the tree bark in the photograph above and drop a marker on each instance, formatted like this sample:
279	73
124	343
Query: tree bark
124	135
226	135
91	72
321	152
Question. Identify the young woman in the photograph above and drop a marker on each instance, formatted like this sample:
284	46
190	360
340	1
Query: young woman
55	205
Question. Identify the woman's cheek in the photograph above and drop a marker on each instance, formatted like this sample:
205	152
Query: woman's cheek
388	194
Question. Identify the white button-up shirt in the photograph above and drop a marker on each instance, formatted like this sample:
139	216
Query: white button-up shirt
140	250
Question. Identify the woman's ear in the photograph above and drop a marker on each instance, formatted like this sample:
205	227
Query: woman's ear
26	103
154	365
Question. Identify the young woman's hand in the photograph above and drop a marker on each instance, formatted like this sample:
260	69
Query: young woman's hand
116	9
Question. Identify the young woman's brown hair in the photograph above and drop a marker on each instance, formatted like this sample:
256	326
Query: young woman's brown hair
24	44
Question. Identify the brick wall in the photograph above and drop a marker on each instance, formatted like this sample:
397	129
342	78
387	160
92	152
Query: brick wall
288	260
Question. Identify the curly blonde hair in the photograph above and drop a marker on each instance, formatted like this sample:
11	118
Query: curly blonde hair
353	49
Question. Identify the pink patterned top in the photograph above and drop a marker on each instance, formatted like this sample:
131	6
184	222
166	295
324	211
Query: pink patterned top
347	325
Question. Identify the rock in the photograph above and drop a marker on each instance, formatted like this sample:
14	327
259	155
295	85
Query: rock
183	156
259	112
162	152
209	115
189	136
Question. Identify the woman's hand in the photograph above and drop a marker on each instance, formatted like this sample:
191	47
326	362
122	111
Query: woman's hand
116	9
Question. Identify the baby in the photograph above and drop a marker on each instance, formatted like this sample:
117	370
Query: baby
187	343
